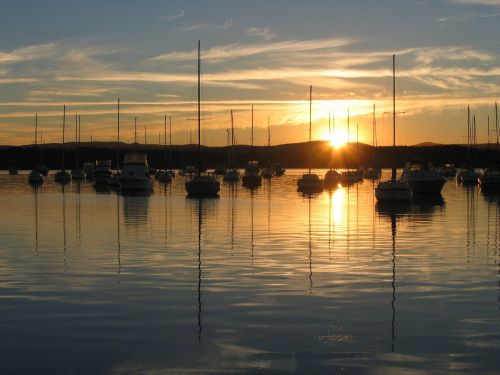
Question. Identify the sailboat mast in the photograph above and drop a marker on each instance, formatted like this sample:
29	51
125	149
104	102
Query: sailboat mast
118	136
199	108
165	144
170	142
79	137
36	128
394	100
64	126
268	133
310	125
232	141
135	130
76	141
496	125
251	141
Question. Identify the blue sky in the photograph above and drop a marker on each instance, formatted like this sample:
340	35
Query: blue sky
87	53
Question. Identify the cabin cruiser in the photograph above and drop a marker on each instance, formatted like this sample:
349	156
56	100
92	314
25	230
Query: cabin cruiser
331	179
422	177
467	176
252	177
135	172
393	190
102	172
490	179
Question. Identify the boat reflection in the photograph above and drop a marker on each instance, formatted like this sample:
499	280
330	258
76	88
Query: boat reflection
136	208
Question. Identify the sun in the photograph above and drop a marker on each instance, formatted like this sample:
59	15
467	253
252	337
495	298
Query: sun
337	139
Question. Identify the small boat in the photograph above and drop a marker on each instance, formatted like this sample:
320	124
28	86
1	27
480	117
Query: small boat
35	177
422	177
252	177
267	173
490	179
331	179
448	170
135	173
164	177
310	182
373	173
467	176
102	172
77	174
189	170
349	177
232	175
89	169
393	190
13	171
278	170
201	185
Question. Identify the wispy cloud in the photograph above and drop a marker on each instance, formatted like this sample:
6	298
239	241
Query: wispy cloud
207	26
173	16
263	32
35	52
476	2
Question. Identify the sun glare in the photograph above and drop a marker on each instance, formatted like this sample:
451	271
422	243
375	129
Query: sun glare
337	139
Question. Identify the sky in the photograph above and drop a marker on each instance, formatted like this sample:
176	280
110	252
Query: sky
86	54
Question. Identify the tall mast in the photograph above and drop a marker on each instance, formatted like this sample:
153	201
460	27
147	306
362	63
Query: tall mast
252	129
76	141
64	126
496	125
199	108
329	126
394	100
468	134
36	128
374	123
310	124
268	133
135	130
348	126
79	137
232	141
165	144
118	136
170	142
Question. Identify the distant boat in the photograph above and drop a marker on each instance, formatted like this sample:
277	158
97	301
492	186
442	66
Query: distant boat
251	177
332	177
36	177
278	170
468	175
393	190
350	177
201	185
14	171
232	174
62	176
102	172
89	169
268	172
310	182
135	173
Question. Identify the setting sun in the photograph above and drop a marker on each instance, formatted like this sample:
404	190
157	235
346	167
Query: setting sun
337	139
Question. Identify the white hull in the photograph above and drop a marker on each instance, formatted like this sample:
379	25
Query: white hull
393	191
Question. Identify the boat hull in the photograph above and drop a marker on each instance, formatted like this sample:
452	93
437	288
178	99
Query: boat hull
62	177
427	187
310	183
393	191
134	183
35	177
202	186
252	180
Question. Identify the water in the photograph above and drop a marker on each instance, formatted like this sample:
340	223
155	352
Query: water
269	281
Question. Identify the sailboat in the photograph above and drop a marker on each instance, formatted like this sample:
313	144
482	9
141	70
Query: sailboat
469	175
163	175
310	182
62	175
232	174
490	180
268	172
332	177
393	189
373	171
36	176
349	177
77	174
201	185
113	178
252	177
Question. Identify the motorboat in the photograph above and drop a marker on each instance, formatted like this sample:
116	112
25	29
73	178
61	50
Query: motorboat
102	171
135	172
89	169
252	177
490	179
350	177
62	176
422	177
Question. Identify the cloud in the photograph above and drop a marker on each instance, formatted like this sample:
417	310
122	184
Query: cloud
236	50
207	26
476	2
35	52
173	16
264	33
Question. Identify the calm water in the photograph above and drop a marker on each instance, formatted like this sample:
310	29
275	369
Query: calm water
269	281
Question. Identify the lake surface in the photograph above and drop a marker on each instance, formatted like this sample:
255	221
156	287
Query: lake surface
266	281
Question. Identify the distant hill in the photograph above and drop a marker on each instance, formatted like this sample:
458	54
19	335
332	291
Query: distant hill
427	144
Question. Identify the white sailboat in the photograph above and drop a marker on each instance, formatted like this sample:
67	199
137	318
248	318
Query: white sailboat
393	190
232	174
201	185
310	182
